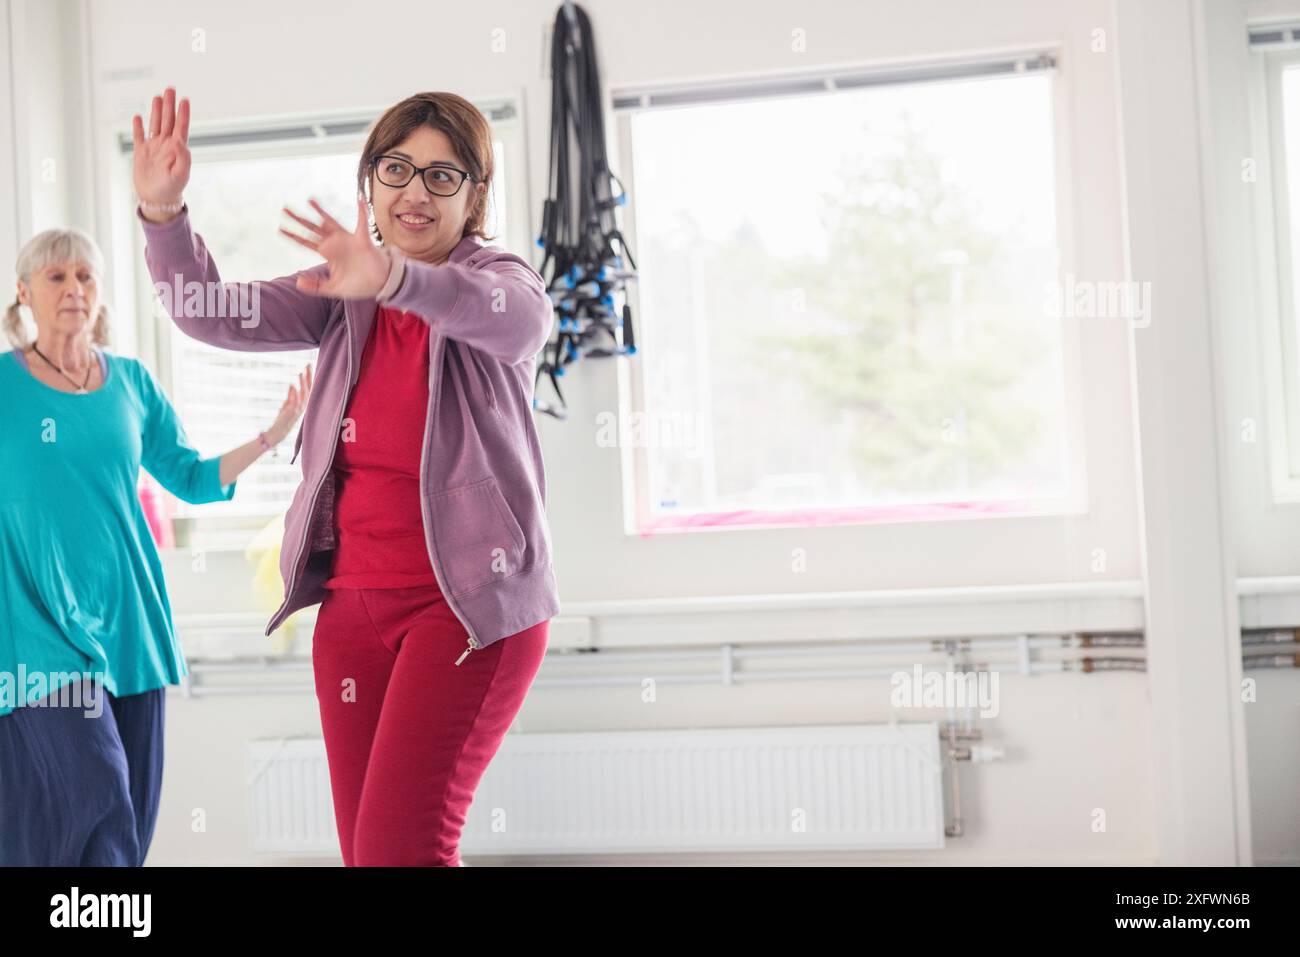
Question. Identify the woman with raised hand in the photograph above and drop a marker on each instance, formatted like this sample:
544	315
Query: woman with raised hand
420	523
87	641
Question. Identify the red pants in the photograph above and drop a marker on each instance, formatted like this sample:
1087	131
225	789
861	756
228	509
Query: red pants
408	733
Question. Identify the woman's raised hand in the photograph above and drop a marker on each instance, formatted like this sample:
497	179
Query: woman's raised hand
358	268
161	164
295	401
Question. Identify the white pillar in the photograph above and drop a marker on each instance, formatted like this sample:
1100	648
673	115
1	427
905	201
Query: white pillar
1192	633
9	225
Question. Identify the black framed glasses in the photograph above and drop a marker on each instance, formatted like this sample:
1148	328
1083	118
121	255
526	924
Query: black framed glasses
441	179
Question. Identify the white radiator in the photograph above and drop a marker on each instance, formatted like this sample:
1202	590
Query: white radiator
291	807
821	787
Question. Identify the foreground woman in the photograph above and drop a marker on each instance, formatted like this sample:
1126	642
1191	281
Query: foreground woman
87	641
420	524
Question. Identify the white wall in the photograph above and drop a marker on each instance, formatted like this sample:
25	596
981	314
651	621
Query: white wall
46	118
1075	743
10	230
1265	532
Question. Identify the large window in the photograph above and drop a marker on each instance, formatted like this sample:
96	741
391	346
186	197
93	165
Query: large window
225	398
238	186
845	303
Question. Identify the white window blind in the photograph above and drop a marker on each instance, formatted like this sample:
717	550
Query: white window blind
1275	36
641	98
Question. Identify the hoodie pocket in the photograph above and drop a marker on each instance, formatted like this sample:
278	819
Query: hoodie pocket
482	373
479	540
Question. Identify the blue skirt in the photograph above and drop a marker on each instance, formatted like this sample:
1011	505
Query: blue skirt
80	780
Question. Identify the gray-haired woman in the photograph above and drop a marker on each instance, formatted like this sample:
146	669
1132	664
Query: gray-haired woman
84	613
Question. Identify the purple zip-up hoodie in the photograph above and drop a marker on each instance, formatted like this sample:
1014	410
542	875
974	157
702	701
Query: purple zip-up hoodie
482	482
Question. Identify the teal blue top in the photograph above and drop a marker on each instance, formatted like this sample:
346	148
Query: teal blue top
81	584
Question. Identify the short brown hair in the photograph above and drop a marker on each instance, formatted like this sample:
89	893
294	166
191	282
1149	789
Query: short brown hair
466	127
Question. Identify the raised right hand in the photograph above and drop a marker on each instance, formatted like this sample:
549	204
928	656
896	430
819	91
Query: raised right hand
161	164
294	404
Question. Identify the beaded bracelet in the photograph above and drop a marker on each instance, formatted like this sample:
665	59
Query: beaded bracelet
266	446
163	207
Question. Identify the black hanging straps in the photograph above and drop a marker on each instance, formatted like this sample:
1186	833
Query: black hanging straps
579	228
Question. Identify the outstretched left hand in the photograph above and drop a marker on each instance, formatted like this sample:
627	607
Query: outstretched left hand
358	268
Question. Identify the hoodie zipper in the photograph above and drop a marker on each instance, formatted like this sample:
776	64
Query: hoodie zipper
311	509
434	365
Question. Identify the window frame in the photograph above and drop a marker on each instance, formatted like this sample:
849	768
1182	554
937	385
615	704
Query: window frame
1280	324
634	465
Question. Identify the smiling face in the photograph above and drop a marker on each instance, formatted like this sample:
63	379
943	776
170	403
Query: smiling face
63	297
420	224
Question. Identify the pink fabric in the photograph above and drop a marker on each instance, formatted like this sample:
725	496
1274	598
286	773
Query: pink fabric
157	512
409	733
856	515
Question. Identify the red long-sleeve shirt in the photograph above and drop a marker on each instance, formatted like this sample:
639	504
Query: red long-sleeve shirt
380	533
